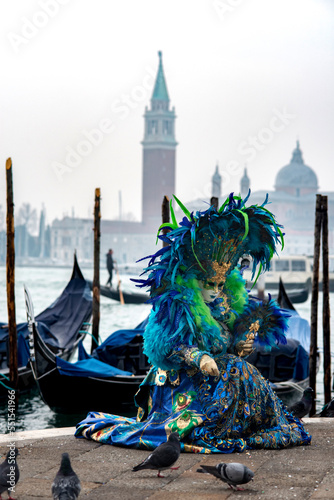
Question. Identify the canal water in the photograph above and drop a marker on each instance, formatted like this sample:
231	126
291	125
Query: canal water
45	285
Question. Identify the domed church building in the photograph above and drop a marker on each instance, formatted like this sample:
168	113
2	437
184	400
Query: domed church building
293	203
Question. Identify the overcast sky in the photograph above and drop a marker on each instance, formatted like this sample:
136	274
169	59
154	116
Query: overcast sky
247	79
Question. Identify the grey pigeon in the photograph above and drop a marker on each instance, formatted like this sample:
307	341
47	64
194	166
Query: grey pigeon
66	484
9	473
163	457
304	405
233	474
327	410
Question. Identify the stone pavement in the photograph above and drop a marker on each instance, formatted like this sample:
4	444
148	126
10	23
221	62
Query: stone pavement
305	472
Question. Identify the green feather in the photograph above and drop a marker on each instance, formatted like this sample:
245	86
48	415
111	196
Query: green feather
174	221
223	205
183	208
245	216
257	277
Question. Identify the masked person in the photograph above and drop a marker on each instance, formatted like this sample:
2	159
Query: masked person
200	330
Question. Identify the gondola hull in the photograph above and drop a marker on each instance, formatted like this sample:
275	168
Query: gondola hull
129	297
62	332
291	391
72	394
65	394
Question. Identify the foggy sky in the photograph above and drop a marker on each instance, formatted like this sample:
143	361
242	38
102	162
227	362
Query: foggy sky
247	79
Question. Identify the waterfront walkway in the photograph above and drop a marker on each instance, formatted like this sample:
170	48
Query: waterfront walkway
305	472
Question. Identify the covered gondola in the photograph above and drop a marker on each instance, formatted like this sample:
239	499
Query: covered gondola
61	327
91	382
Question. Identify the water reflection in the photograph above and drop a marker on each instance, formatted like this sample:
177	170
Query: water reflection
33	413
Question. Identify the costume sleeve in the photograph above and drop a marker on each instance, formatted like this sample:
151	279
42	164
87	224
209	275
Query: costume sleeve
170	339
186	356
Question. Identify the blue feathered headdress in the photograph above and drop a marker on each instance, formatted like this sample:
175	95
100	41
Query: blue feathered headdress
221	236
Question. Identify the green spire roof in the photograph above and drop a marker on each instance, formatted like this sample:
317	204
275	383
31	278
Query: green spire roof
160	92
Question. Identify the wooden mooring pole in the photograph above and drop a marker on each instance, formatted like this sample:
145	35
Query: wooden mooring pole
320	236
10	278
314	300
96	278
325	304
165	217
214	202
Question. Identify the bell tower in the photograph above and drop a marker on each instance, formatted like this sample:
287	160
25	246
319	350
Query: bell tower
244	184
159	152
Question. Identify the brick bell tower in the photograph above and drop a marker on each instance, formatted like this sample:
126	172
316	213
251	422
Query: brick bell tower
159	151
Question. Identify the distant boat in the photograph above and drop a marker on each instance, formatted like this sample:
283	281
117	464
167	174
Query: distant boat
330	272
61	326
296	273
294	270
129	297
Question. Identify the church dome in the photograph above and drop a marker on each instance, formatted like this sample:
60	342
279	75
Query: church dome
296	178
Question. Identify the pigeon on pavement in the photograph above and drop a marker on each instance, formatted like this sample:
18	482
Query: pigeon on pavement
66	484
304	405
9	473
327	410
233	474
163	457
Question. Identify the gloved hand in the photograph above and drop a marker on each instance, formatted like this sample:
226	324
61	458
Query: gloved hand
208	366
246	347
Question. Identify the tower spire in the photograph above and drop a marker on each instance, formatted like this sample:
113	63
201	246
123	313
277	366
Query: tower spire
160	92
216	183
244	183
297	156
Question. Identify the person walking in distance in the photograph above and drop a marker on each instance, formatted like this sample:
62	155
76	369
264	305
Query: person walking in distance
110	266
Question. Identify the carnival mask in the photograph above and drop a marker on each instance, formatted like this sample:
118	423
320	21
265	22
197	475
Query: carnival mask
212	288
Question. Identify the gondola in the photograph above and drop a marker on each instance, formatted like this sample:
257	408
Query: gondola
295	296
114	294
89	383
286	366
62	325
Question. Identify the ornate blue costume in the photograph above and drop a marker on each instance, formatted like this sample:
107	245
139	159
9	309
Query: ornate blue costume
201	327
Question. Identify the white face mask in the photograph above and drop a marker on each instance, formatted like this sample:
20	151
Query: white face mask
210	290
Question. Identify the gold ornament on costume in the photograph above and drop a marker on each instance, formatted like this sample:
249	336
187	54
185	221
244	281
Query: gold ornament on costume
225	304
254	328
220	271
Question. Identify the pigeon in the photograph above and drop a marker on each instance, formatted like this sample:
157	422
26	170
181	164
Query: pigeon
327	410
232	474
66	484
163	457
304	405
9	473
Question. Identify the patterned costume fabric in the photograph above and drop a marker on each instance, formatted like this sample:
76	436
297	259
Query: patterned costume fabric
237	409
